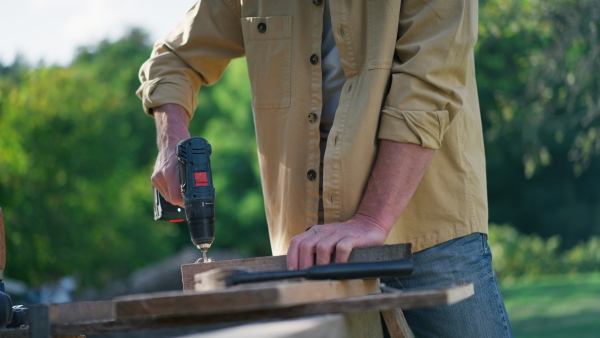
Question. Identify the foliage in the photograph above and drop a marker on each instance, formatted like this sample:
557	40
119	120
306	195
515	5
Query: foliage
76	157
525	257
72	187
537	63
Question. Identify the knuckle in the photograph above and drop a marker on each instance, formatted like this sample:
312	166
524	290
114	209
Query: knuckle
344	247
323	248
294	242
306	246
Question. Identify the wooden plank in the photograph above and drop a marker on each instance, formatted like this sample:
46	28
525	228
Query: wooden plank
278	263
405	300
396	323
241	298
363	324
79	312
354	325
14	333
332	326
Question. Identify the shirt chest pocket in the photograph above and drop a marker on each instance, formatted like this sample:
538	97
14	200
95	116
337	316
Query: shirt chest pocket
268	45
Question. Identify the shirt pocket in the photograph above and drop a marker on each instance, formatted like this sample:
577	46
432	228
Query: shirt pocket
268	44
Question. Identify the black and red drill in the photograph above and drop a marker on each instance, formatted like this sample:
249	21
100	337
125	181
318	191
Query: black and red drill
198	193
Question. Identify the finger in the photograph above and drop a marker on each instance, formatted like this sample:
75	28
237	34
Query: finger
294	249
159	183
306	252
325	248
343	249
175	193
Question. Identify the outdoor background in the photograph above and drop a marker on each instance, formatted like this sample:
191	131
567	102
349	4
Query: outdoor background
77	152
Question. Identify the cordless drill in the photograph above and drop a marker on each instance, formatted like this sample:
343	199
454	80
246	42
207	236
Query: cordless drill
197	190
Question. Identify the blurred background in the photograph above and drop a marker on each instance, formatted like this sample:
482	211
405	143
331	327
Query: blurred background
77	152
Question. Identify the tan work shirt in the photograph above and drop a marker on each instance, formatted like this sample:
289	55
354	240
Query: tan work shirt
410	78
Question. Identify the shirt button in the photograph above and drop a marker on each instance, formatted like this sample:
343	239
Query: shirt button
262	27
314	59
312	117
317	2
312	175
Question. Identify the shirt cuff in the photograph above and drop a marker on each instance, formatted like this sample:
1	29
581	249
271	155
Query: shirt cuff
424	128
157	92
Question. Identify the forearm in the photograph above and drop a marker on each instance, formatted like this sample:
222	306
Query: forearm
172	123
397	172
396	175
171	127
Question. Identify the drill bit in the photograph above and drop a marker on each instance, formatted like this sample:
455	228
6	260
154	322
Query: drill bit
204	250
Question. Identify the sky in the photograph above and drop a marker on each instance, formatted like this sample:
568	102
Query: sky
51	30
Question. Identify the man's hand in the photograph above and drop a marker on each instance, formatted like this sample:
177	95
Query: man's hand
171	127
397	172
318	243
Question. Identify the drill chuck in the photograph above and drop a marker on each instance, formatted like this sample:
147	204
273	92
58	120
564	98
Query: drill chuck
201	222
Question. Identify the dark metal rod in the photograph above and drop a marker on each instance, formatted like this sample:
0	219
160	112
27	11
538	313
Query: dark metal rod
395	268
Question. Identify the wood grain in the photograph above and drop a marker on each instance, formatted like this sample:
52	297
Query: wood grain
240	298
377	302
331	326
362	325
396	323
81	312
278	263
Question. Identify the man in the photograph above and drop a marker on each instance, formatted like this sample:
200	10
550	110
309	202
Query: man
368	132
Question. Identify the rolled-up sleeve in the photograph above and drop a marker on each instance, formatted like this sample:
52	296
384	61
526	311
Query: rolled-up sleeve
434	58
195	53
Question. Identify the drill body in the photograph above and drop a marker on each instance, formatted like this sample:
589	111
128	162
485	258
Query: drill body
197	190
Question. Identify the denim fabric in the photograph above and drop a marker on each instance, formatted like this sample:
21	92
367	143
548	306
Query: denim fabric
463	260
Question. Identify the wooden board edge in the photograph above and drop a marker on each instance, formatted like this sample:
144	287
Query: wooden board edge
396	323
278	263
460	293
273	295
385	301
79	312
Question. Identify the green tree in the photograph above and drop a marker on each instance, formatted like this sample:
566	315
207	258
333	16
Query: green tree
537	63
76	155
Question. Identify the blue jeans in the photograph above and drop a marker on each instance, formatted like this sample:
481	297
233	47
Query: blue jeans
466	259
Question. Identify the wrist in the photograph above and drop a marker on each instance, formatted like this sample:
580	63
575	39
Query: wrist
172	123
373	223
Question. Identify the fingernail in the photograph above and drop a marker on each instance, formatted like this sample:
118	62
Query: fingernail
291	268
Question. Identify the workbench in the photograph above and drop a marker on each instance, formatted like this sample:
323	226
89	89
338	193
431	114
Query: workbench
297	308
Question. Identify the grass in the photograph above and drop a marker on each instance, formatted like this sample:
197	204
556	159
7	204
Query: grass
558	306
